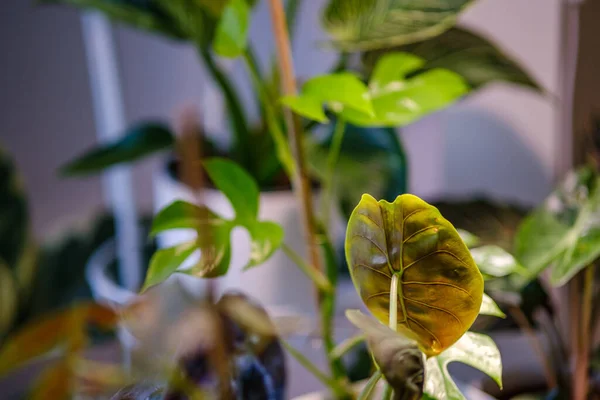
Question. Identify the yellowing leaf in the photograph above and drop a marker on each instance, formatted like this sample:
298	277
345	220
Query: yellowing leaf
440	288
54	383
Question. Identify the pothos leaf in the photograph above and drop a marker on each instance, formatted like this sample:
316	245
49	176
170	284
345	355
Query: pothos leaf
371	24
440	288
398	357
214	231
390	99
231	36
338	91
565	231
476	350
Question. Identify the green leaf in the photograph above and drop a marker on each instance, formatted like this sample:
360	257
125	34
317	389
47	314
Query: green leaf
237	185
214	231
494	261
397	356
166	261
468	54
138	142
179	215
564	231
372	24
440	289
489	307
390	100
267	237
145	15
478	351
403	102
393	67
231	36
469	239
338	91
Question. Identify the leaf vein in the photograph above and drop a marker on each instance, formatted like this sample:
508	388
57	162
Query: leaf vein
372	269
435	308
439	283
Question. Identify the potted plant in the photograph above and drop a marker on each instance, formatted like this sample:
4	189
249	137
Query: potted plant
256	145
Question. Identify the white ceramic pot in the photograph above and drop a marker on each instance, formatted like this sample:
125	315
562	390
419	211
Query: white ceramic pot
277	283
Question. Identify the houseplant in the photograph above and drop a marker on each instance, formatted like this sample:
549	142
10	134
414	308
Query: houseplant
411	231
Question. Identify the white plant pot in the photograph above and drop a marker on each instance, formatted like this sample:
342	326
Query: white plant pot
277	283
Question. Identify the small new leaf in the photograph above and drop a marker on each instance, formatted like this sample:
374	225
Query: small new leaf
166	261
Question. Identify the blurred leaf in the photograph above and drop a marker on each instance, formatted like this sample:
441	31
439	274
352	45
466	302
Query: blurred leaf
393	67
492	222
14	213
534	297
495	261
338	91
8	299
565	231
231	36
390	100
214	234
139	142
489	307
372	160
466	53
440	287
403	102
267	237
166	261
469	239
237	185
478	351
372	24
145	15
398	357
65	327
179	215
55	382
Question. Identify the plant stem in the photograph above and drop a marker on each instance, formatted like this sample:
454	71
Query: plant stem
582	352
393	321
327	308
301	182
526	327
365	394
346	346
316	276
332	159
334	385
239	121
387	392
283	150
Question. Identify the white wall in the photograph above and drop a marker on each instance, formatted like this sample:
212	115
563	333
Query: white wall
500	141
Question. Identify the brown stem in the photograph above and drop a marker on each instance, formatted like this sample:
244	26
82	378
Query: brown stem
288	86
526	327
582	351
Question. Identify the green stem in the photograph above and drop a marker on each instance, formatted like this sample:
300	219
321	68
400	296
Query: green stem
332	160
387	392
238	118
313	274
334	385
346	346
327	307
284	153
365	394
393	321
